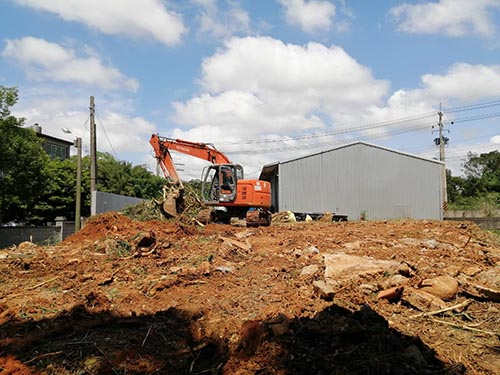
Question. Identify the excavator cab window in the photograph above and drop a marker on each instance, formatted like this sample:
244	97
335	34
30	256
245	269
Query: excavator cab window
219	183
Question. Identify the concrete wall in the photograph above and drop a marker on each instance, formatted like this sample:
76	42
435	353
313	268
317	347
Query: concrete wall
486	219
41	235
471	213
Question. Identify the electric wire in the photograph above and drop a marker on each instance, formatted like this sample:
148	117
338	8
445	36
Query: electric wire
106	134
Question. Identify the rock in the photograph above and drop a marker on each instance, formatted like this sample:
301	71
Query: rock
471	271
480	291
422	301
324	290
308	219
225	269
394	281
311	250
344	266
430	244
444	287
490	278
310	270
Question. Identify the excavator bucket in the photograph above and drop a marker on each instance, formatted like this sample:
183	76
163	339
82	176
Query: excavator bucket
172	201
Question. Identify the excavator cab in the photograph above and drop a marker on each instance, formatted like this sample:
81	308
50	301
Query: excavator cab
219	183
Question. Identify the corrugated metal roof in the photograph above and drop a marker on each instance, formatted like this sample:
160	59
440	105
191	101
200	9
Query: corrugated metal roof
353	144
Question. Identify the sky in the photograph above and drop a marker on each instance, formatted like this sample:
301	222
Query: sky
263	80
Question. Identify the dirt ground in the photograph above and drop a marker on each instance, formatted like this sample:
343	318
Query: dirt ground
128	297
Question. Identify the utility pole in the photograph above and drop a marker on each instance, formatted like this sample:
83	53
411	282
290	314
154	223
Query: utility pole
78	144
93	158
441	142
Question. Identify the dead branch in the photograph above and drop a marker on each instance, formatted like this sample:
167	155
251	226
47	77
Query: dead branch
467	328
43	283
430	313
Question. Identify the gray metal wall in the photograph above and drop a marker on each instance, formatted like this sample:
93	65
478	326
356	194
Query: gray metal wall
362	178
106	202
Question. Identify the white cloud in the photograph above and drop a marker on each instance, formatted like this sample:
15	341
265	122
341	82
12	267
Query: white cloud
453	18
222	23
310	15
137	19
43	60
462	83
495	140
262	84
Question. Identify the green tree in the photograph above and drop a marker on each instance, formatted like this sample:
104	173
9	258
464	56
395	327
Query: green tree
482	173
22	164
121	177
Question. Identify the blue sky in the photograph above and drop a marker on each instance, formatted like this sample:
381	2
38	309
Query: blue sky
264	80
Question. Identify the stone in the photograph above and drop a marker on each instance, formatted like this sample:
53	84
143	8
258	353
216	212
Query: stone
480	291
324	290
422	301
444	287
310	270
344	266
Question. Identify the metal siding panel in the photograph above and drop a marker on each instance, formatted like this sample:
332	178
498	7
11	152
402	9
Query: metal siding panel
385	184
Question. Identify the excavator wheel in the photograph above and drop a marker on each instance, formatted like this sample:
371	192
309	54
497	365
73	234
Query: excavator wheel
258	218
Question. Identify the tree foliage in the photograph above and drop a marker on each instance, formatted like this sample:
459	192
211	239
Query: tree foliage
480	185
23	162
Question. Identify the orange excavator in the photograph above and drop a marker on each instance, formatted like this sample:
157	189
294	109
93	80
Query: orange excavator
224	189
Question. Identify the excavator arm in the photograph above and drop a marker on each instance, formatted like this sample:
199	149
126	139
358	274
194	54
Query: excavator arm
205	151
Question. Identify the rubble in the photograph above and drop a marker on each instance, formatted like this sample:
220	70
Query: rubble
302	298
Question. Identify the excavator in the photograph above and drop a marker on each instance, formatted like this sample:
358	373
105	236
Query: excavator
224	189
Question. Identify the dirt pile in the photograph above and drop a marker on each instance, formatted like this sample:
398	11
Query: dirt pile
129	297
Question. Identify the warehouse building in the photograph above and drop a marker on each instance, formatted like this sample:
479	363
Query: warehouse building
360	180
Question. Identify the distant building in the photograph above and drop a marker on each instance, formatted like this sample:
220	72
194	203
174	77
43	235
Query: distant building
360	180
56	148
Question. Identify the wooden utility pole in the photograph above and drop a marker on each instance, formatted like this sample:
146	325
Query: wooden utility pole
93	158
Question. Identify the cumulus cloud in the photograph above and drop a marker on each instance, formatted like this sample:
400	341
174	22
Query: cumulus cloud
137	19
43	60
264	84
454	18
310	15
462	82
222	24
495	140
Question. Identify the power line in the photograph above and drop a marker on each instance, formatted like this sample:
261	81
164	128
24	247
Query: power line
106	135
